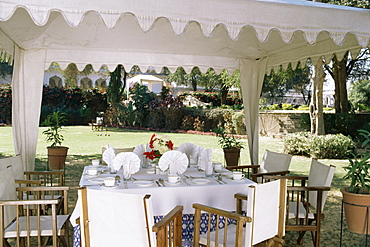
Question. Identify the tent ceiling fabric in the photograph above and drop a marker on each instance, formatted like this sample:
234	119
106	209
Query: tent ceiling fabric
187	33
250	35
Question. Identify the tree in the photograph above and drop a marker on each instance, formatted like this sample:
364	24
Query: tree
210	80
141	98
181	78
70	75
227	81
359	96
341	69
278	83
115	93
5	69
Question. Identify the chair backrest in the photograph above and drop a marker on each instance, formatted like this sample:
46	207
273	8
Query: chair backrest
321	175
274	162
127	220
17	165
7	191
30	224
119	150
266	207
47	178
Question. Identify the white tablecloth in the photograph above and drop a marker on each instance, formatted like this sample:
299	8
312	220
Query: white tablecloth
165	198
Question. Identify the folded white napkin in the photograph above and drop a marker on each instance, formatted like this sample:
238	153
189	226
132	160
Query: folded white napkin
139	151
191	151
175	161
205	160
129	162
108	155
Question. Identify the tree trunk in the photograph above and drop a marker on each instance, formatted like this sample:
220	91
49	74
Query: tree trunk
316	106
319	78
340	79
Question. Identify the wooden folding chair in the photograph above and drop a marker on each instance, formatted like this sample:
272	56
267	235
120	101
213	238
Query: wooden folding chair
264	220
131	223
31	223
306	199
23	219
272	163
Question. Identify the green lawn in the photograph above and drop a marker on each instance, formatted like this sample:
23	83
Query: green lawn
86	145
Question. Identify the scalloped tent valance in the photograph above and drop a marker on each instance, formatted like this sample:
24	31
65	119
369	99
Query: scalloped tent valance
208	33
250	35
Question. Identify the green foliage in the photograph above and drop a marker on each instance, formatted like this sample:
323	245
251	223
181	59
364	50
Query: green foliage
70	75
219	117
319	147
358	170
226	141
5	69
296	143
127	115
345	123
359	95
6	104
181	78
278	83
239	123
79	106
214	98
167	113
329	146
165	92
116	86
54	121
141	97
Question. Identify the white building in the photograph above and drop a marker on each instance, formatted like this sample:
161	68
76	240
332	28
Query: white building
153	83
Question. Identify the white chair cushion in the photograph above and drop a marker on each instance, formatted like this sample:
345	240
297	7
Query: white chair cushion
46	226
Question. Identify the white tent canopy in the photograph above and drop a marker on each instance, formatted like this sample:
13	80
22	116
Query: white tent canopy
250	35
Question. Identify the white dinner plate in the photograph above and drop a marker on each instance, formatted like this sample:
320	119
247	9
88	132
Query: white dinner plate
201	180
143	183
96	180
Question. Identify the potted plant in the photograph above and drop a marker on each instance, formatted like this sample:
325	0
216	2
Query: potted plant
56	153
356	197
230	145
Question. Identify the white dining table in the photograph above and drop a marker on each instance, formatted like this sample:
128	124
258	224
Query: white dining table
194	187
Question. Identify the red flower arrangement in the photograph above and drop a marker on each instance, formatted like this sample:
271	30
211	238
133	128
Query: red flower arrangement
159	145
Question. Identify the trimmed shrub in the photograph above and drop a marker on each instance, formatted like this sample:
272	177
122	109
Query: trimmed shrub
330	146
319	147
239	123
296	144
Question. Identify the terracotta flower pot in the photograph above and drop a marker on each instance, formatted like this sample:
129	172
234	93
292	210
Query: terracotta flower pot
57	157
356	215
232	156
